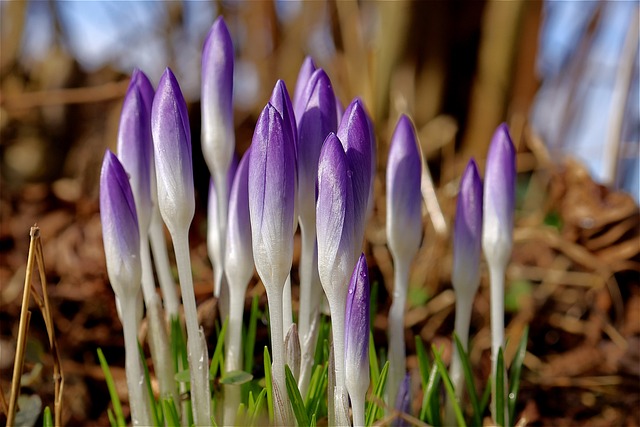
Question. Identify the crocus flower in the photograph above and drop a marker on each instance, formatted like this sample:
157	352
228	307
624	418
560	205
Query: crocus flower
334	226
172	149
218	139
497	234
356	339
306	70
271	210
121	239
353	132
404	231
467	241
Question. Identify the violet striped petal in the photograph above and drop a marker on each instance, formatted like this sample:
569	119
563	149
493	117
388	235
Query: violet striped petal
218	135
172	152
356	338
499	196
403	402
135	149
318	119
272	197
334	218
120	233
467	233
404	200
304	75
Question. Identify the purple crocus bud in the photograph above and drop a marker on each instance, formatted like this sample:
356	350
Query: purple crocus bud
317	120
467	234
353	132
404	200
281	101
403	401
304	75
356	338
499	196
135	148
272	197
334	219
120	232
218	138
172	150
239	255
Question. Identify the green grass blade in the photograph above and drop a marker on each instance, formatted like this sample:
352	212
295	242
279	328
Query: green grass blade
430	412
156	412
374	409
170	412
113	394
514	374
257	407
486	394
296	399
250	339
448	385
500	389
320	357
374	368
318	393
423	361
218	359
47	420
268	382
178	345
112	418
468	378
313	421
241	415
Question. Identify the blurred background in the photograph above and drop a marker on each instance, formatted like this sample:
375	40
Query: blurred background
564	75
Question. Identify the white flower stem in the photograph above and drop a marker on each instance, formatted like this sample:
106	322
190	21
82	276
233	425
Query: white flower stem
222	203
161	260
287	310
397	352
496	275
138	398
274	297
337	308
357	407
200	396
158	342
310	297
461	327
233	359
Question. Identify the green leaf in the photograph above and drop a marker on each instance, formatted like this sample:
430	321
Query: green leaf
170	412
183	376
374	369
317	390
423	361
236	377
468	377
240	415
217	359
112	418
320	357
430	412
113	394
448	385
374	409
47	420
295	397
514	374
486	394
156	412
417	296
268	382
515	293
500	403
258	407
250	339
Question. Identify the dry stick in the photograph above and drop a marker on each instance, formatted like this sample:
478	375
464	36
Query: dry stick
25	317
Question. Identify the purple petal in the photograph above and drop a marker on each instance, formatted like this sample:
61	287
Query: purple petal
499	193
218	137
135	148
334	217
317	121
304	75
271	198
467	232
172	151
353	132
403	401
356	338
281	101
404	200
120	231
239	256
